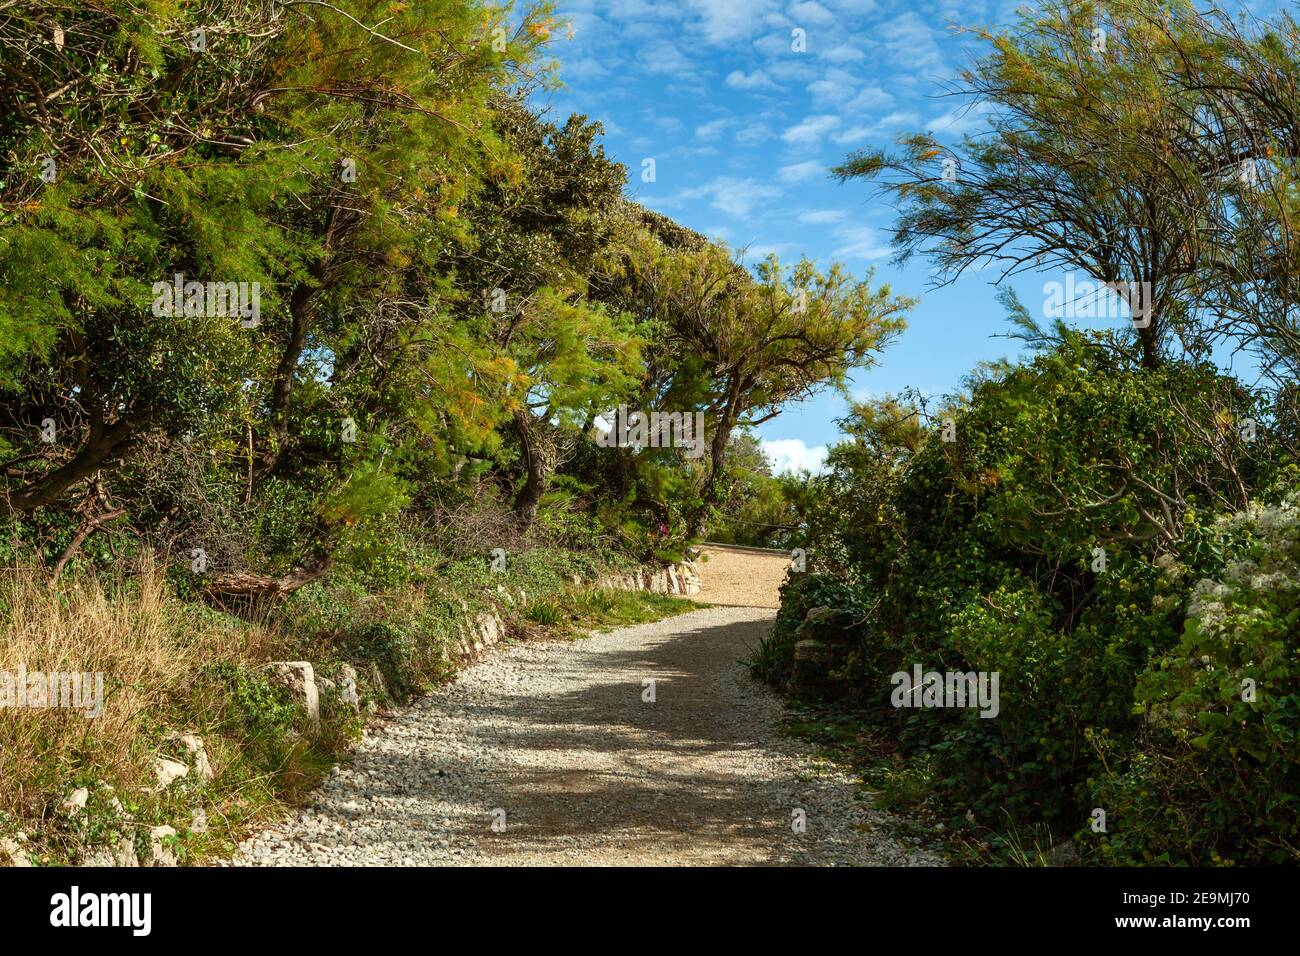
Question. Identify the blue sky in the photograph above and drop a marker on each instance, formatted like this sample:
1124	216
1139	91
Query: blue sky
743	128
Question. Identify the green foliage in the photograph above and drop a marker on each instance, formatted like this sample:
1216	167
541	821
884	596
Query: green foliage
985	554
1215	777
547	613
800	594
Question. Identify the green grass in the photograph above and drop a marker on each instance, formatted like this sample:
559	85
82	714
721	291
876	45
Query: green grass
576	612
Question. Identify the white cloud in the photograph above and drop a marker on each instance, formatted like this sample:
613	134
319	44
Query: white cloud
753	135
760	252
853	6
722	21
844	53
870	98
811	12
791	69
664	57
838	90
811	130
791	454
821	217
895	120
758	80
584	68
860	242
961	119
798	172
911	41
736	197
713	129
834	87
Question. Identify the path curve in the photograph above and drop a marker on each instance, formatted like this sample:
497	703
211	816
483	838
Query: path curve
554	742
741	577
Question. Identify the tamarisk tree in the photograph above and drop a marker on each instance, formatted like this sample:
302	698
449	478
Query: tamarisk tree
761	338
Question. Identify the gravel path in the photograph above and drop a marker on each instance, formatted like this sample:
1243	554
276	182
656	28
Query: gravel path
741	578
554	744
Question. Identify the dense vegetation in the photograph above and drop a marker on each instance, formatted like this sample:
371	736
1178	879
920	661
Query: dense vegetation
451	290
310	326
1110	525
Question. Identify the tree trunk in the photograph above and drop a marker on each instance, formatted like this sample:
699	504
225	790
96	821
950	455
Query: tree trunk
535	472
244	590
301	320
282	386
104	445
712	485
1150	346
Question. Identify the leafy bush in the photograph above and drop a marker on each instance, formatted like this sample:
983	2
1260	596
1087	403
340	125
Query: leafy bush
1216	777
773	659
1054	542
544	612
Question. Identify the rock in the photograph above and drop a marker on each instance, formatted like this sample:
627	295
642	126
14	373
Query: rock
813	651
690	576
194	746
813	663
488	628
160	853
348	687
12	853
167	772
832	625
1063	854
76	802
675	584
300	678
119	855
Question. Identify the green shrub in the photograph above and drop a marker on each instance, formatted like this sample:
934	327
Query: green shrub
1055	541
773	659
1216	778
545	612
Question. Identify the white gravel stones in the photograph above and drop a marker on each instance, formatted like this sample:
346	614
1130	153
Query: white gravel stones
558	745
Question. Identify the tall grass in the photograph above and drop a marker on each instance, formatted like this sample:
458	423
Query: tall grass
175	666
151	649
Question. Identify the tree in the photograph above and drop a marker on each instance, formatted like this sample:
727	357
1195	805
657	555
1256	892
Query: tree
761	339
1115	146
540	227
290	151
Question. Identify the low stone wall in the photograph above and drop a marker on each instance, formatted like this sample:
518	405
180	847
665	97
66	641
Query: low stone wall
485	629
478	632
681	579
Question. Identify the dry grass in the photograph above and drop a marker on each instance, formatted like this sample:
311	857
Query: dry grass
149	646
173	665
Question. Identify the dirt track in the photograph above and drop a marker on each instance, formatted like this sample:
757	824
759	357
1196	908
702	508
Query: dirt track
741	578
559	745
